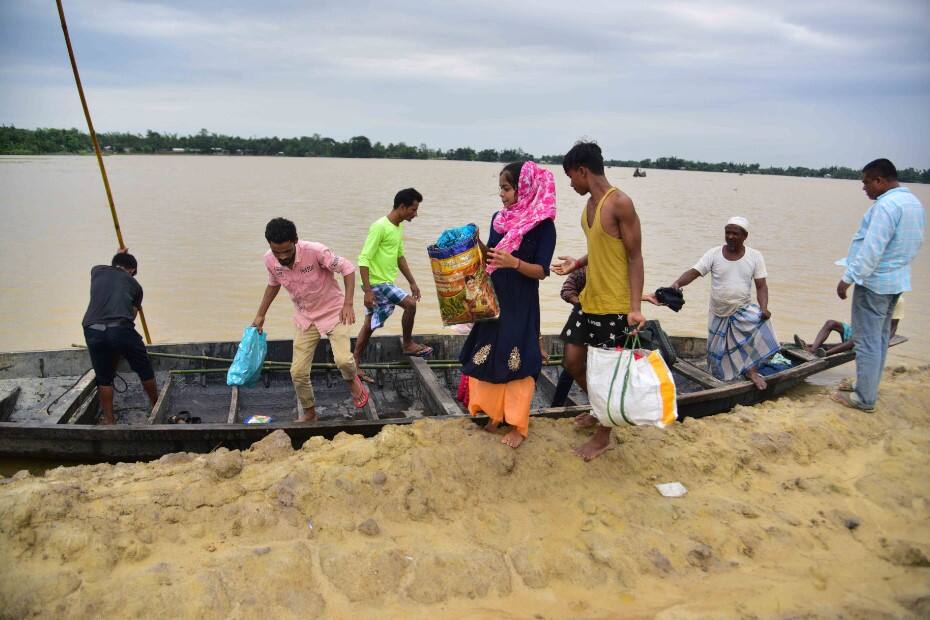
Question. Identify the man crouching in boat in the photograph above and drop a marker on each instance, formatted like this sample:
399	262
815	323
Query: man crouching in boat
740	335
306	269
109	328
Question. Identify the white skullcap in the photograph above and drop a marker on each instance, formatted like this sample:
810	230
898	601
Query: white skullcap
742	222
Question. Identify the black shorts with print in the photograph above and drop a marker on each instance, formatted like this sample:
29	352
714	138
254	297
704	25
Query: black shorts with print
605	331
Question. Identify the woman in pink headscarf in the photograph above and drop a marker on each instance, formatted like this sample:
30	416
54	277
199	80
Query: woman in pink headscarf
502	358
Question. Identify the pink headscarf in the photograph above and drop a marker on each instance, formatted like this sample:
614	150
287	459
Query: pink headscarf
535	203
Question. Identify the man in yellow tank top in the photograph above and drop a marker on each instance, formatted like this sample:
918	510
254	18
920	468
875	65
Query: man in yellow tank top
610	301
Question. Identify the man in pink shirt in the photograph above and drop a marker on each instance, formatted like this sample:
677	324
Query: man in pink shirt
306	269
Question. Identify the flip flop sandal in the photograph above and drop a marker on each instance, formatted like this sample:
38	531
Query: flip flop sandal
849	400
846	385
366	378
181	417
360	402
798	342
421	352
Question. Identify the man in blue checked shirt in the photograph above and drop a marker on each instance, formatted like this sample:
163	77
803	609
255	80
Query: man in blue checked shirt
878	263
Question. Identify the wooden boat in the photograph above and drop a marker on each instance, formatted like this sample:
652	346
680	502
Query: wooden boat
48	400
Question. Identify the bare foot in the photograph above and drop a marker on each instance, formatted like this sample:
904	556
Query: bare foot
491	426
513	439
595	446
757	380
585	420
108	420
365	377
309	415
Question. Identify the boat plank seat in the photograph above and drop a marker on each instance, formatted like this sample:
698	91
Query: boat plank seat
162	405
696	374
233	416
62	410
437	399
8	403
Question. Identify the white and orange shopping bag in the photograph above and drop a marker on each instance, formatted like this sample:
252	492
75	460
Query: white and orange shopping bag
631	386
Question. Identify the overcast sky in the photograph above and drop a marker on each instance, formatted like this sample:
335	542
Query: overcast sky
793	82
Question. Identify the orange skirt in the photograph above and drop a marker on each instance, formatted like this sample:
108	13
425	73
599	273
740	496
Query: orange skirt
503	402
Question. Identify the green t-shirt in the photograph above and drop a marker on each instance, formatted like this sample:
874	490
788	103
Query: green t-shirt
384	245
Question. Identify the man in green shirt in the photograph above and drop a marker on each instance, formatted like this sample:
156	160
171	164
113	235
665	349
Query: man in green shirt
381	258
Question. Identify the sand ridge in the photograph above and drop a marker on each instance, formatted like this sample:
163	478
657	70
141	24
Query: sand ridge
796	508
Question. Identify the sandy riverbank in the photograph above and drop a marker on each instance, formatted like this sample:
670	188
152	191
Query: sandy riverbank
797	508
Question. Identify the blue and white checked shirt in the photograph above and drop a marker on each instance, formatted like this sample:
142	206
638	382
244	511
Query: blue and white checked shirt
890	234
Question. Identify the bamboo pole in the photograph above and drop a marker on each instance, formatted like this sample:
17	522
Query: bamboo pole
93	137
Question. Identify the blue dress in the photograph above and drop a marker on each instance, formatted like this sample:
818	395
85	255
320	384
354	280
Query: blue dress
507	349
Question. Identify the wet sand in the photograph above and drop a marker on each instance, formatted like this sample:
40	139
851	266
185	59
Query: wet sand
795	508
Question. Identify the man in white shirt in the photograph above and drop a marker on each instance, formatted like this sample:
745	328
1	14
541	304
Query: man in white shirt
740	335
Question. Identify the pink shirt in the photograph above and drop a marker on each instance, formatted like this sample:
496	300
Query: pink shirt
311	283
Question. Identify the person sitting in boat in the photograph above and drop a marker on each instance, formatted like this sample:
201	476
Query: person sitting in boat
741	336
109	328
845	332
307	270
502	358
378	263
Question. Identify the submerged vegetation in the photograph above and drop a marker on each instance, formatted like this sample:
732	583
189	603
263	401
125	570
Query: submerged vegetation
14	141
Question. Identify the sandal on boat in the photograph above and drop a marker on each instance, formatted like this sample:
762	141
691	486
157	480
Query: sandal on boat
423	351
181	417
800	343
846	385
363	400
849	400
365	377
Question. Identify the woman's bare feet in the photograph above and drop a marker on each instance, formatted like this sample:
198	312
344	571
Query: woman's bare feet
595	446
491	426
513	439
309	415
585	420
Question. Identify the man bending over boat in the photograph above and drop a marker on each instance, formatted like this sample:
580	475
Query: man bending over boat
740	335
378	263
306	269
109	328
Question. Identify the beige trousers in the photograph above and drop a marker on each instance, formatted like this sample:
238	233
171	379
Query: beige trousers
305	342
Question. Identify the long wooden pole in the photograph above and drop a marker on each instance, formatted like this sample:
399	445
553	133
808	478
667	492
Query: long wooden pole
93	137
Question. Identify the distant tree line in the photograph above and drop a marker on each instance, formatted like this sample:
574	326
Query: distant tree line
15	141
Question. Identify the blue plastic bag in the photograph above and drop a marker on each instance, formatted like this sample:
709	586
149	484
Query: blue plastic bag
455	236
247	365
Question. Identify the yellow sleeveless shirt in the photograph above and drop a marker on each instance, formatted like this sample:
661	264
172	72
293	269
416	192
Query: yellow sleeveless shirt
607	290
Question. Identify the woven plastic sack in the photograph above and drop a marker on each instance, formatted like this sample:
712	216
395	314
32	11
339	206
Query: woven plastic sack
464	288
631	386
246	367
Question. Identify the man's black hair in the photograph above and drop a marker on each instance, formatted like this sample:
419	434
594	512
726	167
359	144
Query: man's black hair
280	230
881	168
406	197
587	154
124	260
512	173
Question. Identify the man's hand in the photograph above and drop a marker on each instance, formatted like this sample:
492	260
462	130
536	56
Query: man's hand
567	265
347	316
841	289
258	322
123	251
766	314
415	291
635	319
370	299
651	298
